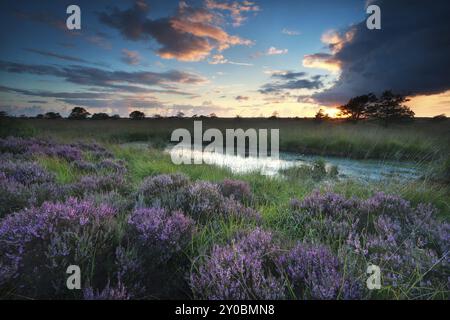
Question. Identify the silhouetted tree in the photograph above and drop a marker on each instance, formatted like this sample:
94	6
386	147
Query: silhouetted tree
136	115
79	113
52	115
3	114
389	107
180	114
439	118
274	115
321	115
100	116
212	115
357	107
115	117
40	116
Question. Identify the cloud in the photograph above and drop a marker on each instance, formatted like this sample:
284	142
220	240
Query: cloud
290	32
408	55
28	111
289	80
37	101
236	9
61	56
322	61
90	76
220	59
131	57
274	51
191	34
242	98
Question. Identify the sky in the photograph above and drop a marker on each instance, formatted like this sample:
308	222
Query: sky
246	58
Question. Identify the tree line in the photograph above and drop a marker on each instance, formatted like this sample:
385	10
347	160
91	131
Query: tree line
387	107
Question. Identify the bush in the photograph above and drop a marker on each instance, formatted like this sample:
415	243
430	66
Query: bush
242	270
407	242
315	273
157	266
204	201
39	243
165	190
236	189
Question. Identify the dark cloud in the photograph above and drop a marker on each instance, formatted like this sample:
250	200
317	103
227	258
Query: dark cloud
289	75
189	35
50	94
28	111
61	56
410	54
104	78
131	57
37	101
242	98
290	80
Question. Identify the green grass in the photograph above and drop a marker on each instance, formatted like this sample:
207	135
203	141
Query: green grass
63	171
273	193
420	140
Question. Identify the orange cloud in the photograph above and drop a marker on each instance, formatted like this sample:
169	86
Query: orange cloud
321	61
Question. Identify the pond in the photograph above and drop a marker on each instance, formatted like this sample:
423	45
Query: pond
372	170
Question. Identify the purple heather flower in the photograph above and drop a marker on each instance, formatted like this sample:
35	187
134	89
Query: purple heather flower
241	270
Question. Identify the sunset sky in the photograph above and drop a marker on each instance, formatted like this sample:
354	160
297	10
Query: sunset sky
227	57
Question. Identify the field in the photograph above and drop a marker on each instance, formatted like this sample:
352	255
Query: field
141	227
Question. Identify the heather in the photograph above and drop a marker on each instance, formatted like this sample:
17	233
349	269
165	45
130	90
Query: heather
141	227
407	242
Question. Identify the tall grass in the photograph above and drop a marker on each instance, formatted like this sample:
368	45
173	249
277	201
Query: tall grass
421	140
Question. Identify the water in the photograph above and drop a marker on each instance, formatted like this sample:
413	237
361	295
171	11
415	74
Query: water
373	170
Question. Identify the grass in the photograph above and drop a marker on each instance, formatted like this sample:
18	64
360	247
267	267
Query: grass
61	168
420	140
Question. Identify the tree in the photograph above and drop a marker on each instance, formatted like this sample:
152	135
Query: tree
100	116
136	115
115	117
389	107
439	118
52	115
3	114
321	115
79	113
274	115
212	115
157	116
180	114
357	107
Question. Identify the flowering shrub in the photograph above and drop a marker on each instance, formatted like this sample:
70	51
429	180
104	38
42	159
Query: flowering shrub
25	184
117	166
26	173
204	200
165	190
314	273
39	243
84	165
13	195
236	189
93	184
108	293
160	233
408	243
243	269
159	238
